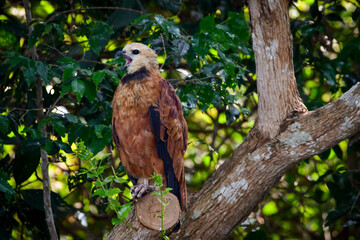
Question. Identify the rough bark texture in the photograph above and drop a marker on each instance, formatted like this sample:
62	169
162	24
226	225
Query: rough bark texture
284	134
49	217
276	83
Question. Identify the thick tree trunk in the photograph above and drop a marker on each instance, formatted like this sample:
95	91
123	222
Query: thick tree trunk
284	134
276	84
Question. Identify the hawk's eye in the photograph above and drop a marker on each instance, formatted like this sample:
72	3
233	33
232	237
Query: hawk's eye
135	51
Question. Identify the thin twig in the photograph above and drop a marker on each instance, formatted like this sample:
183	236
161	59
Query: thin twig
25	109
97	62
93	8
21	109
163	42
11	5
140	5
22	116
53	49
53	106
181	7
193	79
354	204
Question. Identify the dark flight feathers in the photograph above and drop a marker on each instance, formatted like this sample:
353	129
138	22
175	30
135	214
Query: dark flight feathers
163	153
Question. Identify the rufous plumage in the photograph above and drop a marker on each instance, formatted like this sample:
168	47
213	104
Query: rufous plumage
149	129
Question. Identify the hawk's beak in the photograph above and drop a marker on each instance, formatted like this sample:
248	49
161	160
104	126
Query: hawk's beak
119	54
126	57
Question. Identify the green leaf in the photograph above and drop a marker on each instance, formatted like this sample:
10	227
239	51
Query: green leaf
270	208
68	61
124	210
171	5
100	35
7	189
26	161
167	26
96	44
95	144
51	148
78	131
64	146
114	77
98	76
120	19
98	184
108	179
71	118
98	130
119	180
207	24
90	92
4	124
157	179
69	72
59	127
36	34
66	88
200	44
99	192
181	48
54	147
15	60
42	70
78	86
29	72
167	190
113	191
58	29
92	174
115	221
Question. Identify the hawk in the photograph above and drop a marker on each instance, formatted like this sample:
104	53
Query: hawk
149	129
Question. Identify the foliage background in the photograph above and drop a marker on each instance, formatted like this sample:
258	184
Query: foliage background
205	51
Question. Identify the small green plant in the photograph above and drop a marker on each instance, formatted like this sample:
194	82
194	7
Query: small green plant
101	184
163	201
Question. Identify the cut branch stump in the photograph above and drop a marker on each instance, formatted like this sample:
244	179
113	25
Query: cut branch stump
148	211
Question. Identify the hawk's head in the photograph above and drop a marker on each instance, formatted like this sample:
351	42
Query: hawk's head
138	55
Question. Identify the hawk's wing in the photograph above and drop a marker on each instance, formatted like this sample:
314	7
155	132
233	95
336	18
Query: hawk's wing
170	130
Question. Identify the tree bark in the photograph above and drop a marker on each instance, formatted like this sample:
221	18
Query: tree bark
284	134
276	84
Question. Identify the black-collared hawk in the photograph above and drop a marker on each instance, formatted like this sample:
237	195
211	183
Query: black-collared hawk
149	129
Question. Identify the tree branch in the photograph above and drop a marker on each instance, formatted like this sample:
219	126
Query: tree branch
93	8
49	217
235	189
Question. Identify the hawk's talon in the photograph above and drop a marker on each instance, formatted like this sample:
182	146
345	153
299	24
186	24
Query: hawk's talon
138	191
